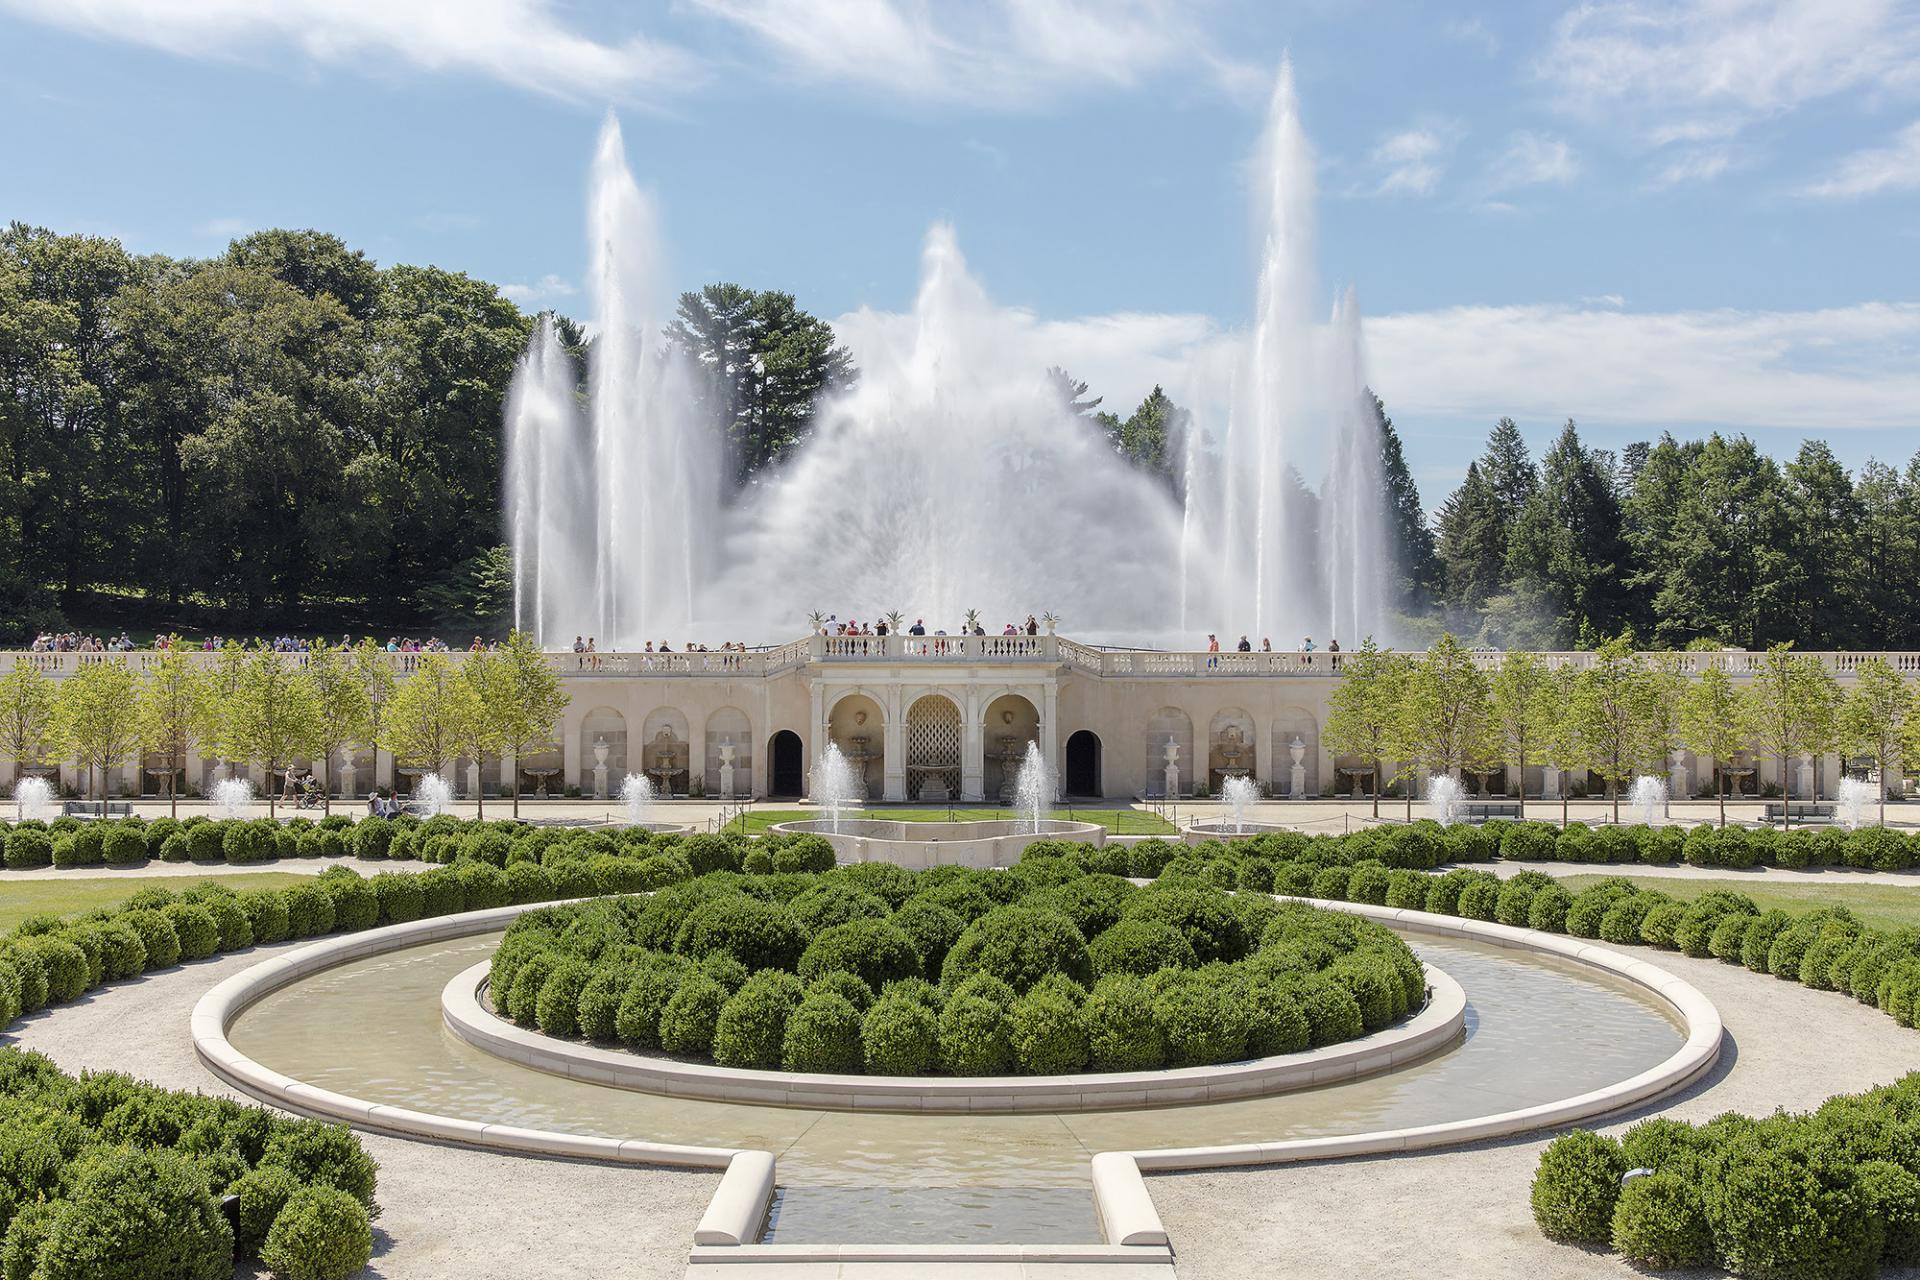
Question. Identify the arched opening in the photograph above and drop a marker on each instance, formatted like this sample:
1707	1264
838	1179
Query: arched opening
787	777
857	725
665	754
1011	723
603	752
933	749
1083	764
1230	749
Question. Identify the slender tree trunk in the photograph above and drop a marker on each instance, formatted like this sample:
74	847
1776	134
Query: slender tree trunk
1722	789
1566	799
480	797
1521	791
1786	797
516	782
1376	788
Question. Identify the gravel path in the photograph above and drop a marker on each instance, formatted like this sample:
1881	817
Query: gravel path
1464	1213
448	1213
1829	876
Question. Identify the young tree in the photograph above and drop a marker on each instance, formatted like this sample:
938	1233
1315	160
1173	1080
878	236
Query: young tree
521	697
1522	712
344	707
373	668
1662	738
1560	745
1875	717
1608	715
425	722
1444	715
1363	716
476	735
1713	722
224	675
274	716
27	717
173	712
95	717
1793	703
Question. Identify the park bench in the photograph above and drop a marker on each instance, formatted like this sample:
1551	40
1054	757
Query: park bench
1488	810
96	809
1798	811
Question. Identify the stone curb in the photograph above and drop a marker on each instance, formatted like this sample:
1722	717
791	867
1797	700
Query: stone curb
1440	1023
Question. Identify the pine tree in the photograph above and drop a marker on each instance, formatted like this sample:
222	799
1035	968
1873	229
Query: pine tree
1407	530
1719	559
1821	565
1508	467
1566	545
1473	542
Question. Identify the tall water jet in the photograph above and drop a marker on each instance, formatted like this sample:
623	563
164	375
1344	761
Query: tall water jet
1648	799
1285	529
33	799
609	516
1443	799
1034	789
232	798
831	786
1853	801
432	794
1239	793
636	799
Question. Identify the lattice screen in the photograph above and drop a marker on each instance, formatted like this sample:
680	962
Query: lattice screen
933	744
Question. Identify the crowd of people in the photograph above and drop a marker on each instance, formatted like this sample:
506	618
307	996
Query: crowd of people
74	642
832	626
587	650
1306	650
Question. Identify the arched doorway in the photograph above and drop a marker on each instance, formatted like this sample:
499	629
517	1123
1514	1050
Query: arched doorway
933	749
787	777
1011	723
1083	764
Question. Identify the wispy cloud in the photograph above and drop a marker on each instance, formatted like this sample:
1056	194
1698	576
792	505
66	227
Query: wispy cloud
227	228
521	42
995	53
1412	161
548	288
1533	159
1895	167
1473	31
1697	73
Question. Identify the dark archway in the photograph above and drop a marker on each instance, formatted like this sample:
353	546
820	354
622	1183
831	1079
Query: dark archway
1083	764
785	776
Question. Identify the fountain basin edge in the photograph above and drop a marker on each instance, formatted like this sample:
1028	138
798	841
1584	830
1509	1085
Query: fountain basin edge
982	844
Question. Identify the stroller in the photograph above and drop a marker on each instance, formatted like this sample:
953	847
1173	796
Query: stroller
308	796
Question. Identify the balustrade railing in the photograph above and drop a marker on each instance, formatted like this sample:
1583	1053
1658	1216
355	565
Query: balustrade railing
1106	663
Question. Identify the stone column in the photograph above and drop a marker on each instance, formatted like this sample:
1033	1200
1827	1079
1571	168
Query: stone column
972	749
893	736
1050	736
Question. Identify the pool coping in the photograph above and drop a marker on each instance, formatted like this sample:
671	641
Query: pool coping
1123	1203
1440	1022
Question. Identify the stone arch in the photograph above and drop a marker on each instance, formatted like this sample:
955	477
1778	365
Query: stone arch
933	748
665	752
602	725
1083	763
857	724
540	768
729	727
1008	724
786	764
1290	725
1169	726
1230	747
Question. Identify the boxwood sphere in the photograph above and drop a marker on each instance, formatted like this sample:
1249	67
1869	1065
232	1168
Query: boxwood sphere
1020	946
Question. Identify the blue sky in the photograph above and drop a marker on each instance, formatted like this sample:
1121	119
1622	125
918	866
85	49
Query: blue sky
1638	213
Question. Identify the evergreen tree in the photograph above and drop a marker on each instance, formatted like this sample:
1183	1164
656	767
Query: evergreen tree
1146	439
1820	567
1719	560
1473	542
1888	546
1508	467
1408	534
1566	545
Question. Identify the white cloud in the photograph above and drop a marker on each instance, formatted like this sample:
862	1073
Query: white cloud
1891	168
1833	370
521	42
1411	162
1473	31
1695	164
995	53
1533	159
547	288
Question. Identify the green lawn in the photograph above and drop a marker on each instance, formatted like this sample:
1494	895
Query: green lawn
1120	822
1881	906
22	898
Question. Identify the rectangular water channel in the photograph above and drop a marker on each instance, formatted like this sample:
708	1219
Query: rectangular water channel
931	1215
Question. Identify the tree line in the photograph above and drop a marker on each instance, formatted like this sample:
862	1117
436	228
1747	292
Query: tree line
1621	715
273	709
1702	541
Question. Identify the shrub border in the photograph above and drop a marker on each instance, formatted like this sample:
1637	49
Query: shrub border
1438	1025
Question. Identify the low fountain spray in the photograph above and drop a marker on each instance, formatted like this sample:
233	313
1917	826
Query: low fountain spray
232	797
433	795
1033	788
636	796
1648	799
1852	801
33	798
832	785
1239	793
1443	799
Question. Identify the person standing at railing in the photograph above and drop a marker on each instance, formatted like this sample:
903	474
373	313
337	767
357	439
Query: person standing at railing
1033	626
1266	644
1306	652
1333	648
1245	645
1213	651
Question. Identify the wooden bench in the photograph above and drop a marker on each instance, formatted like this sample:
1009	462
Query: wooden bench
1799	811
1487	810
96	809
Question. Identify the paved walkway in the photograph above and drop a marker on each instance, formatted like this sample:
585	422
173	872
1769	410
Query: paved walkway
1464	1213
1829	876
201	870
